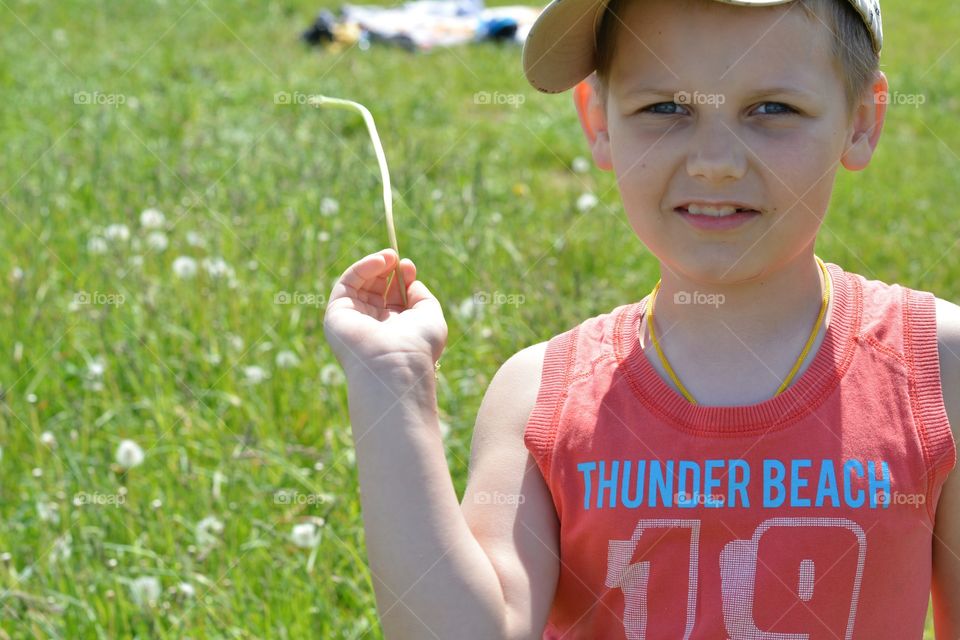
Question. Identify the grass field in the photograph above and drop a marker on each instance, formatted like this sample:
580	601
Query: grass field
198	336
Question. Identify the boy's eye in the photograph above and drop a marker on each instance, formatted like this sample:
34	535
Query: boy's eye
671	108
781	108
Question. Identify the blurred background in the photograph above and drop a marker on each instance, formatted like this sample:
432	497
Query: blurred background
176	452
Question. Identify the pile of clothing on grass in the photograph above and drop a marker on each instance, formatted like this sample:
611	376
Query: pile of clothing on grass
420	25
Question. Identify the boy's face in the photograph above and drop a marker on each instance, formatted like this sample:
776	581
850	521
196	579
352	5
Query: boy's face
764	123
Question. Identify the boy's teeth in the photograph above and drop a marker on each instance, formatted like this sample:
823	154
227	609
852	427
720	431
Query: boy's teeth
710	211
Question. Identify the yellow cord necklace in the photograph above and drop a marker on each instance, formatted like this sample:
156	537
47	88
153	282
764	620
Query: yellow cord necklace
796	366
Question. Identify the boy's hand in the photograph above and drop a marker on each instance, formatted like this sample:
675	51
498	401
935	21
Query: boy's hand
365	329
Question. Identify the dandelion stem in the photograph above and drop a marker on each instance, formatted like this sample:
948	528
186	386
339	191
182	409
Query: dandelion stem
384	174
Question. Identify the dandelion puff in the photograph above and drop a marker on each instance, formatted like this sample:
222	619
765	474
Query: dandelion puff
586	201
287	359
48	439
580	165
254	374
129	454
145	590
62	549
217	268
48	512
468	308
185	267
208	531
96	245
96	367
117	232
331	374
157	240
186	589
194	239
152	218
305	535
444	429
329	207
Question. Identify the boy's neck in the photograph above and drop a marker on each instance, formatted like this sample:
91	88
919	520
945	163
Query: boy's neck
757	329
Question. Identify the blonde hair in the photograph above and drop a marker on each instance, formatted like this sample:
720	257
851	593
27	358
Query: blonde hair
852	46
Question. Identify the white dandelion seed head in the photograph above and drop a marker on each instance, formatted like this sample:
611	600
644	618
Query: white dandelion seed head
580	164
587	201
16	274
157	240
48	439
62	548
331	374
235	341
194	239
468	308
305	535
48	512
129	454
186	589
117	232
152	218
185	267
96	367
217	268
208	531
145	590
323	236
254	374
96	245
329	206
287	359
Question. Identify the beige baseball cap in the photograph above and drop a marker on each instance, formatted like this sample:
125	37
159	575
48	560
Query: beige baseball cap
560	49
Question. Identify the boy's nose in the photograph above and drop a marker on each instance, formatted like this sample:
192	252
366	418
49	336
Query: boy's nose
716	153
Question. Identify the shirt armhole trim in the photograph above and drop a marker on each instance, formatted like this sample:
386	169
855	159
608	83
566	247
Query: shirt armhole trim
540	432
933	425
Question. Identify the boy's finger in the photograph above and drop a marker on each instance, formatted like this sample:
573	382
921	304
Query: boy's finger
369	268
409	271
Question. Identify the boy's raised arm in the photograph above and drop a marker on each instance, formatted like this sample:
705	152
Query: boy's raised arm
431	577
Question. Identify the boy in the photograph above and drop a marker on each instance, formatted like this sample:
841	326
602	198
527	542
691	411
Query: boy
760	448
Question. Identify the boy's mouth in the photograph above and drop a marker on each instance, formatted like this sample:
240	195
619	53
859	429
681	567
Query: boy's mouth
715	210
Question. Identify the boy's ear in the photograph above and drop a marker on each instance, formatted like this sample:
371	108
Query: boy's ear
866	125
593	119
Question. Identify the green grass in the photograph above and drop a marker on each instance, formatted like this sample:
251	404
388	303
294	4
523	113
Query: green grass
485	201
